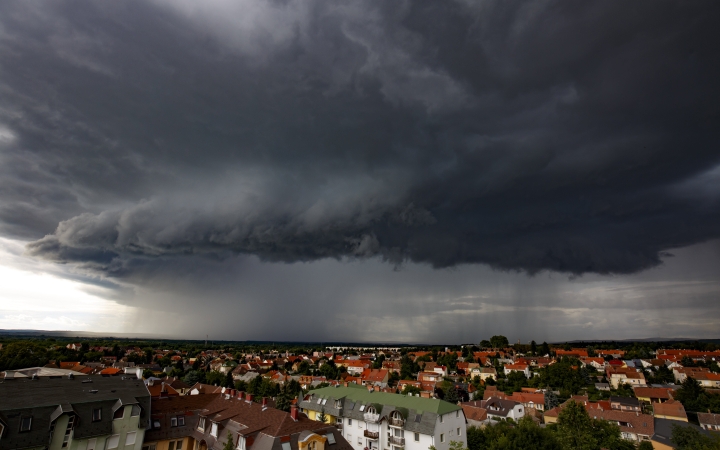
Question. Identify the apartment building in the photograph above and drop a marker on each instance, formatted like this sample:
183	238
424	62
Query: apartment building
380	420
73	413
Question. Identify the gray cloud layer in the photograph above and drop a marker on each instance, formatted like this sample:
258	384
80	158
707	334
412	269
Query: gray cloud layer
573	137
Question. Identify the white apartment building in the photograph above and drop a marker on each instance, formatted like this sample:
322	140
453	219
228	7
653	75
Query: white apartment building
385	421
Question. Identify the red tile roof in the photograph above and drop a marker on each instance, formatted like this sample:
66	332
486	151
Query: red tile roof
672	408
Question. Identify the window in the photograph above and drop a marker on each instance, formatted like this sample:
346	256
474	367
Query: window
181	421
201	424
25	424
130	438
171	445
359	424
330	438
417	437
442	438
457	413
135	411
120	413
173	421
68	430
149	447
458	431
418	418
442	419
112	442
241	443
91	444
97	416
359	441
324	401
156	424
349	421
178	445
286	446
213	430
362	408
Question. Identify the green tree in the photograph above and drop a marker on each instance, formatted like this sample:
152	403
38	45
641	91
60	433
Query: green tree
229	444
499	341
322	417
229	382
215	378
689	438
451	395
574	428
147	373
645	445
545	349
533	347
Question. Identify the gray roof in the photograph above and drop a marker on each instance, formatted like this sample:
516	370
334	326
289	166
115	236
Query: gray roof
664	428
625	401
46	399
504	406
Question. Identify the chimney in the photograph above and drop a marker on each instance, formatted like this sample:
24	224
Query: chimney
377	388
241	394
294	412
264	402
249	398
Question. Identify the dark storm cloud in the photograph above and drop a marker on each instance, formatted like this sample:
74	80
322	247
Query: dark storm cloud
575	137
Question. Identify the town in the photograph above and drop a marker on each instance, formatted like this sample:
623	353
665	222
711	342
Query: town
107	395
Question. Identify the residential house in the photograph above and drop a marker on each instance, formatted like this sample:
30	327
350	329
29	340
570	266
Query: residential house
502	409
74	413
682	373
475	415
671	409
174	420
628	376
663	431
522	368
256	426
379	420
160	389
634	426
429	377
375	377
709	421
575	353
625	404
653	394
597	363
708	380
484	373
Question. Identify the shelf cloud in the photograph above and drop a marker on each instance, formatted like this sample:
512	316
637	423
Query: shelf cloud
578	138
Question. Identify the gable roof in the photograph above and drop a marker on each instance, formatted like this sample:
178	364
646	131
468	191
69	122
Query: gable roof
672	408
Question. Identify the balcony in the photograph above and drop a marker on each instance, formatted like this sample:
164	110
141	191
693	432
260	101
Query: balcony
372	434
371	417
397	440
393	422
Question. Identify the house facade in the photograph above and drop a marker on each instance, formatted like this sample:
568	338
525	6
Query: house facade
380	420
73	413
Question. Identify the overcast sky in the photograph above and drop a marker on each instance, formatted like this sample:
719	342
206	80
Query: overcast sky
361	171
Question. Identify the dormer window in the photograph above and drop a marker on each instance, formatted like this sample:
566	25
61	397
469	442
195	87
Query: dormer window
362	408
25	424
201	424
97	415
214	430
